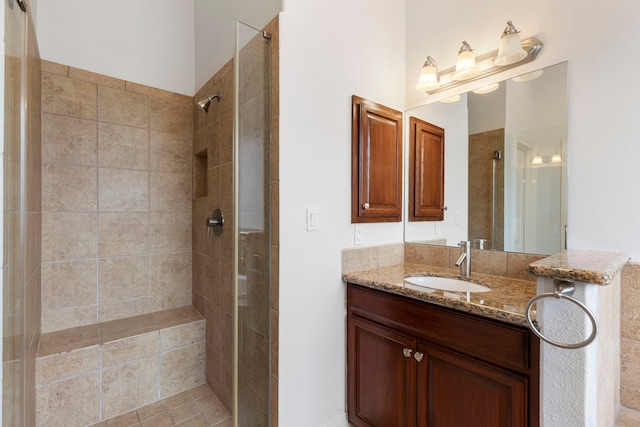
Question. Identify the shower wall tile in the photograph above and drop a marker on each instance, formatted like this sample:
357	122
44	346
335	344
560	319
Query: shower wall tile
69	97
71	402
170	192
66	318
68	140
182	369
100	79
129	385
123	190
69	284
123	234
170	152
171	272
123	147
123	279
122	107
137	347
170	232
55	68
69	236
69	188
170	115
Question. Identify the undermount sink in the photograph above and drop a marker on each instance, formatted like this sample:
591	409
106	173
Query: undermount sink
446	284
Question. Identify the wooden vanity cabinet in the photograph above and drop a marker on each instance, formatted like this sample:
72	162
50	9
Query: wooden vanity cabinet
376	189
411	363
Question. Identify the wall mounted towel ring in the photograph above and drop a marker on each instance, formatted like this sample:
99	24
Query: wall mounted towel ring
564	290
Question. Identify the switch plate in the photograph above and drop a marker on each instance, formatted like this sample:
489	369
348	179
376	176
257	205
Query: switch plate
438	229
457	217
313	223
358	238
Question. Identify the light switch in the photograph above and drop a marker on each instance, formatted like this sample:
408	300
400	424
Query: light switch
438	231
312	219
358	238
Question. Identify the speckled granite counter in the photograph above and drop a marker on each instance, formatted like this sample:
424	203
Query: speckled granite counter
595	267
506	301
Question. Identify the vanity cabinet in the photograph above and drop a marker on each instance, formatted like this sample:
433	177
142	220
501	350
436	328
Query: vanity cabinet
411	363
376	190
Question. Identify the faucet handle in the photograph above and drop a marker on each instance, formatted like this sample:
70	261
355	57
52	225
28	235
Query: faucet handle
464	244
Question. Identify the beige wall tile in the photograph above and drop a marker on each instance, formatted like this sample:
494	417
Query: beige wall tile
171	272
61	366
122	279
182	335
69	284
54	68
173	115
182	369
489	262
66	318
171	152
129	385
69	188
122	107
517	266
630	313
170	232
68	140
123	234
121	190
630	368
122	309
127	349
628	418
170	192
123	147
434	255
100	79
74	402
69	236
69	97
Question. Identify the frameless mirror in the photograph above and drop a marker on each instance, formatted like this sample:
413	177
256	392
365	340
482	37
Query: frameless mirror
505	170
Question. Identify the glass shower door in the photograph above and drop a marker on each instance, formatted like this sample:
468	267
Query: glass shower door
252	227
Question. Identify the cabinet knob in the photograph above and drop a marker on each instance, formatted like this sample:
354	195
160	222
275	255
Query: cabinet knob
407	352
418	356
444	208
365	206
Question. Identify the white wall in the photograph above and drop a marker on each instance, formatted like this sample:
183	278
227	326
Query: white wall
329	51
214	30
150	42
603	107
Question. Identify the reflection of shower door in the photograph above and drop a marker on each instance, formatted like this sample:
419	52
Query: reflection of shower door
252	227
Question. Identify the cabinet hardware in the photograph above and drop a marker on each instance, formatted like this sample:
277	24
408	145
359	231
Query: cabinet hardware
444	208
407	352
418	356
365	206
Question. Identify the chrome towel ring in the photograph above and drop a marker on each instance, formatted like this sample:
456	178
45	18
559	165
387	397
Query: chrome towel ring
564	290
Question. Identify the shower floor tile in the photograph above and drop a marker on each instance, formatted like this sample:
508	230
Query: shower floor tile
198	407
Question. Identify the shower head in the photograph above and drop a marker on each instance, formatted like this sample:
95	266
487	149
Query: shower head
204	103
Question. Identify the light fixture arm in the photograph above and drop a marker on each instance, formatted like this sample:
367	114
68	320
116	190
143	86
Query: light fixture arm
509	29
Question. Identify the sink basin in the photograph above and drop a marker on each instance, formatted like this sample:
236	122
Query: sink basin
446	284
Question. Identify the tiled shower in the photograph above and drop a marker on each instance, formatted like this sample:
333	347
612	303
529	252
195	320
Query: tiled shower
126	295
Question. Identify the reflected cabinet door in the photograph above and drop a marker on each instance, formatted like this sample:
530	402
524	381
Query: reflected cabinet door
376	162
426	171
381	369
455	391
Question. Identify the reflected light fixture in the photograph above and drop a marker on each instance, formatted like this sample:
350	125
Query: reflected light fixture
486	89
556	158
451	99
529	76
428	79
510	50
537	160
466	66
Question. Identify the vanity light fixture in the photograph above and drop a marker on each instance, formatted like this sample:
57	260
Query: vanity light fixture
556	158
428	79
510	50
470	68
466	66
537	160
486	89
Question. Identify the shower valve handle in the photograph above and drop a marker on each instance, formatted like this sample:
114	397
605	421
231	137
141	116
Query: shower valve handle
216	222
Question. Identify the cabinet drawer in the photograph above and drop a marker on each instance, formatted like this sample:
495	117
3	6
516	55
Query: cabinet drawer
494	342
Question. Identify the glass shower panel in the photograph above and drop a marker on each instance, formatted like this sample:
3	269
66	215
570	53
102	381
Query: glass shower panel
13	219
252	218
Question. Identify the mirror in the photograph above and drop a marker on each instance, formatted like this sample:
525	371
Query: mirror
505	170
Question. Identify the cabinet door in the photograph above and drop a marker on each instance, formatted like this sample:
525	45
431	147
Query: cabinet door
456	391
376	162
381	376
426	171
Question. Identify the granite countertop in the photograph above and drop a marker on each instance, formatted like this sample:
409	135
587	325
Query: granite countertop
506	301
597	267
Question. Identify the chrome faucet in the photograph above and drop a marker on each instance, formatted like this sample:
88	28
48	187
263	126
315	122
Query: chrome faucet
464	260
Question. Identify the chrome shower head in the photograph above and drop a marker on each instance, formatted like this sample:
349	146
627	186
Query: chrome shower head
204	103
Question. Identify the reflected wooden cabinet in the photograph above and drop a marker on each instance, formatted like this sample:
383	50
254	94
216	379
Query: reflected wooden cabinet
376	190
426	171
411	363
